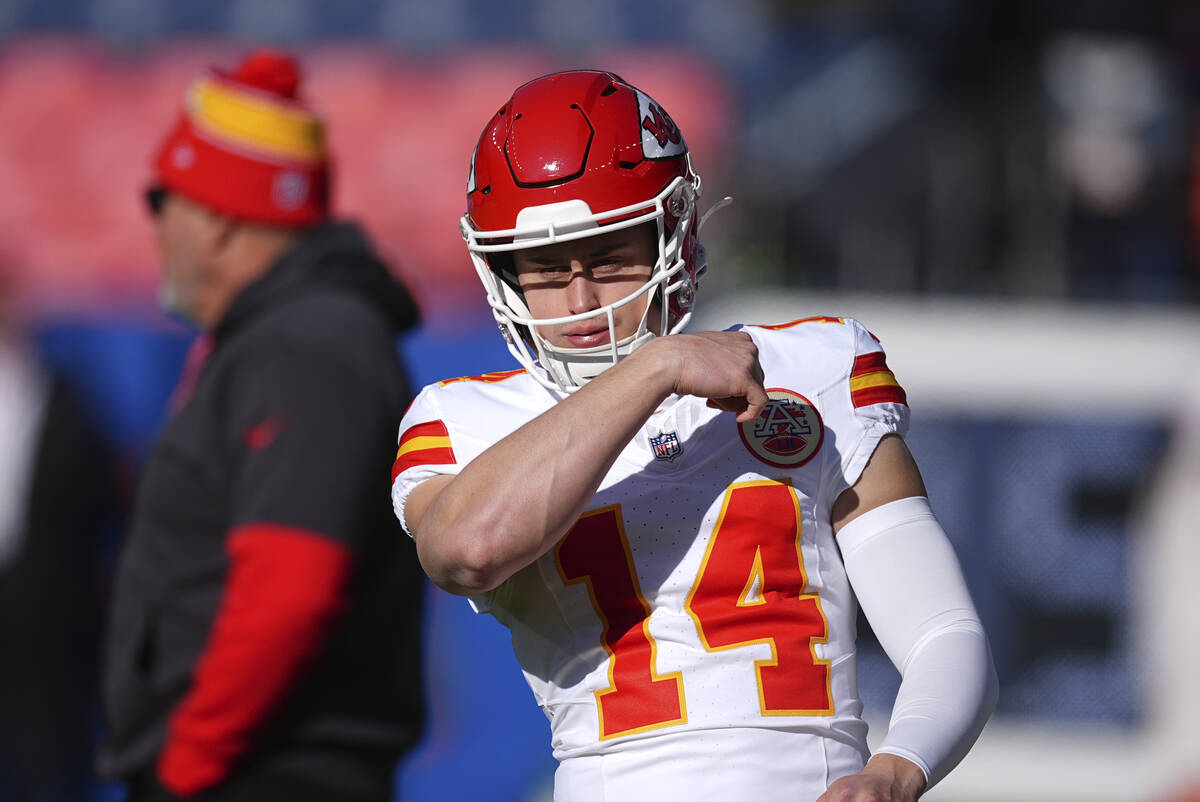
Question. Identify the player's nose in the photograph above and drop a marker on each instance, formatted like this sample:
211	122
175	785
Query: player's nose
582	295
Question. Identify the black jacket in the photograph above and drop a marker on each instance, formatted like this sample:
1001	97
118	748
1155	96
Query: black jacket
308	352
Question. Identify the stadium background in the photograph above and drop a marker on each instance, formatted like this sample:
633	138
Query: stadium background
1000	190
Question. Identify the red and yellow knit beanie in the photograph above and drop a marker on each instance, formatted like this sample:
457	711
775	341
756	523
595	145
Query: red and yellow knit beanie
247	146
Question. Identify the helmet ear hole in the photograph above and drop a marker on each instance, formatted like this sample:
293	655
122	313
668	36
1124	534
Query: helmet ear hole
682	201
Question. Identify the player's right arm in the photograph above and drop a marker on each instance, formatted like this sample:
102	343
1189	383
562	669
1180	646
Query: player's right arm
514	501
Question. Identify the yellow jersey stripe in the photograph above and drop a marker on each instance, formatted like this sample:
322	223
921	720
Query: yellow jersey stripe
421	444
879	378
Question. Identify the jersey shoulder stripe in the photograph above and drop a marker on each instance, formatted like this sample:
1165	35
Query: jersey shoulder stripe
487	378
782	326
871	382
423	444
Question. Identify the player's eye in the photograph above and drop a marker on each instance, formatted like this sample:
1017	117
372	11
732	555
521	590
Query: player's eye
609	265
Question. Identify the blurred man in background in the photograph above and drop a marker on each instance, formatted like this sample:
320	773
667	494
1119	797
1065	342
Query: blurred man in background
263	637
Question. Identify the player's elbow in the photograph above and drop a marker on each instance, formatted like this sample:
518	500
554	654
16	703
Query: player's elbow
463	566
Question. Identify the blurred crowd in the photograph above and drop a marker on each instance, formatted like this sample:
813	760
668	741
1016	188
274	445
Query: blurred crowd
932	146
1010	149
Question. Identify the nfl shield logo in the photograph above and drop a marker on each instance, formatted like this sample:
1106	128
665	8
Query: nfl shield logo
666	446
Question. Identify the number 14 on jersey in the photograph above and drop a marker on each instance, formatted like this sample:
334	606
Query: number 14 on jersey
750	589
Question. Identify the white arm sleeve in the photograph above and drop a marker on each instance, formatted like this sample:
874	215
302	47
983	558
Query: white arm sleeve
908	581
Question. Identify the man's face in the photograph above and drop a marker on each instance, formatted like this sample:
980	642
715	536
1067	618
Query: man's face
186	236
582	275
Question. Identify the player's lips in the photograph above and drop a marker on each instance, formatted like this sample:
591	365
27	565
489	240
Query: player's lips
587	338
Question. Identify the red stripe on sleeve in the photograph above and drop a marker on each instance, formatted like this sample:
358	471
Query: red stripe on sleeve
284	591
434	428
489	378
427	456
793	323
869	363
879	395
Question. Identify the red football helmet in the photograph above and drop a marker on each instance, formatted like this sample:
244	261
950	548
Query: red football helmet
571	155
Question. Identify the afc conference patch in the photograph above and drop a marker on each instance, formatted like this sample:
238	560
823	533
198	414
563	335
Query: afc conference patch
666	446
787	433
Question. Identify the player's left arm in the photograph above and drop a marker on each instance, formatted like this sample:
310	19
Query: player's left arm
910	586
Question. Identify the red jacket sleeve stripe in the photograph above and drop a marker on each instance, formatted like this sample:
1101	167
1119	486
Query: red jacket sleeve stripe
285	590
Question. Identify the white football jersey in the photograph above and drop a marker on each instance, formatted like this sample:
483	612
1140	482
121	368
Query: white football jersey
692	636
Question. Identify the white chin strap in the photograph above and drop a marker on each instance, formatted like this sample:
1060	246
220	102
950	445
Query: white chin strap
576	366
573	367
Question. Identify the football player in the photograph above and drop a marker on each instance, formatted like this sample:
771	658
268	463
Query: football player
677	527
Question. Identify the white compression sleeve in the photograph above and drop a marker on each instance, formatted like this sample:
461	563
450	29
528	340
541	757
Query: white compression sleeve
909	583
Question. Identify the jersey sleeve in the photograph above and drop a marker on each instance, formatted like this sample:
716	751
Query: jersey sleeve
424	450
864	405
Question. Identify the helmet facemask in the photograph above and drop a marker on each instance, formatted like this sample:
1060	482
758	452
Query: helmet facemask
671	285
